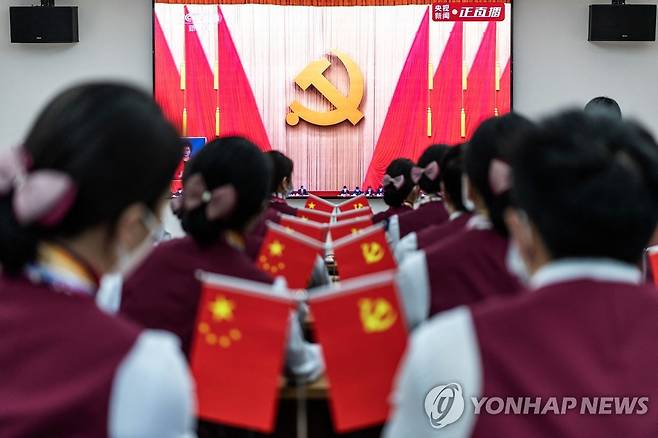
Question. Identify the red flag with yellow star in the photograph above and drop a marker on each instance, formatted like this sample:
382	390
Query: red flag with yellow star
312	229
288	254
368	313
316	203
237	351
366	252
357	203
314	215
353	214
342	229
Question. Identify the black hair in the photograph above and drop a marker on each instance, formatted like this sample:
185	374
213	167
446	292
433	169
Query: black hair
434	153
282	167
101	135
492	140
604	105
392	196
589	183
452	168
238	162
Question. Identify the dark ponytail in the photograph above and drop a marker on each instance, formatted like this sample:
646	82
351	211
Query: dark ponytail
233	161
114	144
433	154
394	197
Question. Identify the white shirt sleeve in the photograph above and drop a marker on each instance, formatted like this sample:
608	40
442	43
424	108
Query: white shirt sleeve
108	297
304	360
443	351
320	276
406	245
394	231
153	392
414	288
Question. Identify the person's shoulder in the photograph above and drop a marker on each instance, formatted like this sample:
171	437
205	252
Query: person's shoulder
451	250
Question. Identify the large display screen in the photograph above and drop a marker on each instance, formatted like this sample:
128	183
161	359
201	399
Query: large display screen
342	90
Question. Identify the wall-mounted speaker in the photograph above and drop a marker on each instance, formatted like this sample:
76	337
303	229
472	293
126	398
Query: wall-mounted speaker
37	24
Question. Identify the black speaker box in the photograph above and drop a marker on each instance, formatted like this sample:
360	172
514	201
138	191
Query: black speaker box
38	24
622	23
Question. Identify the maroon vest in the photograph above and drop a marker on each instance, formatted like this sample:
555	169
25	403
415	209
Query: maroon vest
435	233
468	268
574	339
282	206
164	292
58	358
260	228
428	214
391	211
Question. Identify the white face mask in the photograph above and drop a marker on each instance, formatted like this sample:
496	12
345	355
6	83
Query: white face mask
468	204
129	260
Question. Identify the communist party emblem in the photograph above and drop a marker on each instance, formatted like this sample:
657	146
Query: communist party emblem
372	252
345	107
275	251
218	330
377	315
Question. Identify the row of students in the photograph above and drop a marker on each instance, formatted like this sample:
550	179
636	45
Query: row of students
585	205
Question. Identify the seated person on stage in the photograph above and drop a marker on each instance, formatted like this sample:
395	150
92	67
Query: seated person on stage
604	106
303	191
67	368
226	185
586	189
357	191
370	191
451	189
400	192
344	191
432	211
282	168
470	266
380	191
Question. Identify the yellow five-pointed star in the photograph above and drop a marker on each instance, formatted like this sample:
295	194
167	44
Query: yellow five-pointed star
222	309
276	249
311	206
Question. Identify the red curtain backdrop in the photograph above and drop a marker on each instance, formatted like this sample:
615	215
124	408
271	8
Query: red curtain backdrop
405	129
167	84
504	97
480	94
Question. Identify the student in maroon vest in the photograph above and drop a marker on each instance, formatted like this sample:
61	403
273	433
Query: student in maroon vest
67	368
587	194
225	188
451	189
400	192
471	266
432	211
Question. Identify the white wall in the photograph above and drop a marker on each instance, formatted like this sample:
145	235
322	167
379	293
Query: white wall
556	66
115	42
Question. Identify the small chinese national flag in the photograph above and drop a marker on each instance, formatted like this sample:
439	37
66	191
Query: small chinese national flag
237	351
316	203
361	371
364	253
347	228
314	215
288	254
354	204
353	214
312	229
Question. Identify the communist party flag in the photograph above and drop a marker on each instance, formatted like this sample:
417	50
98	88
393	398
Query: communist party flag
367	312
316	203
342	229
314	230
314	215
288	254
353	214
354	204
237	351
363	253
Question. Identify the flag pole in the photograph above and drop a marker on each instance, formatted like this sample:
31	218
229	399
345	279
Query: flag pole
430	71
183	86
216	81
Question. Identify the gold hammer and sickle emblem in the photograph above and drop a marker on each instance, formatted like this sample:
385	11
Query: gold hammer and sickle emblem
377	315
346	107
372	252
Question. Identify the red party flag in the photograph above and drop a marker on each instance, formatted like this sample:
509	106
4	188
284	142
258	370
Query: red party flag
237	351
316	203
347	228
288	254
353	214
312	229
361	372
314	215
364	253
652	253
354	204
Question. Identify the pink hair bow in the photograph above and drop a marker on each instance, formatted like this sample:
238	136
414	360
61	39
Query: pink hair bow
500	177
219	202
397	182
43	196
431	172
